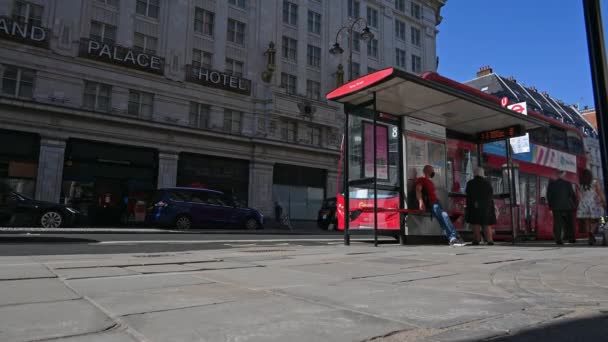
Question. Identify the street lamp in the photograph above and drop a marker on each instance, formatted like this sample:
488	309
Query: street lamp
365	35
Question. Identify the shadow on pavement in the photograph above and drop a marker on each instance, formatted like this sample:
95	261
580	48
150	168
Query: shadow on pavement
591	328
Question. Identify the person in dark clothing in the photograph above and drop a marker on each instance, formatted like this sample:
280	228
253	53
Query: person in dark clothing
480	207
562	201
278	212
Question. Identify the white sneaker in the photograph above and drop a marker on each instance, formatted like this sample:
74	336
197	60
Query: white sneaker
454	242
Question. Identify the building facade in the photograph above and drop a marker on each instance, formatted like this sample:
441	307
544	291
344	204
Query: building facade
103	101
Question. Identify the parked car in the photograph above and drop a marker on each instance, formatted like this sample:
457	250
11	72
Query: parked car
327	214
19	210
184	208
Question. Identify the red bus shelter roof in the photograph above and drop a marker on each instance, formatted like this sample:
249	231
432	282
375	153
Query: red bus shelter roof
455	106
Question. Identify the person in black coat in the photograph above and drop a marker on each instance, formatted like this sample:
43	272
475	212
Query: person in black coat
562	201
480	207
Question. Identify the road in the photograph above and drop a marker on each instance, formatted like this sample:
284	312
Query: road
37	242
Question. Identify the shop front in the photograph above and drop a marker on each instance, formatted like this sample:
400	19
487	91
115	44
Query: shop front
110	184
19	161
231	176
299	190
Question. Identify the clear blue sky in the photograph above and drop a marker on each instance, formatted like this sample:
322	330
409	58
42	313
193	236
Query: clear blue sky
541	43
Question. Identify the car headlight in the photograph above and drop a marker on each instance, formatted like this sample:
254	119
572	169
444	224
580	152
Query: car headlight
72	210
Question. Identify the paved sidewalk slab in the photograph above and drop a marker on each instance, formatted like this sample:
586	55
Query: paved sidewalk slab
31	322
24	271
262	320
112	336
34	290
78	273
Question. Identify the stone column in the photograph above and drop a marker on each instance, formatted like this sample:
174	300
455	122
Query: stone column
260	187
331	186
50	169
167	169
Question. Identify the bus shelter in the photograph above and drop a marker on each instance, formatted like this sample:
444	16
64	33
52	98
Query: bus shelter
395	124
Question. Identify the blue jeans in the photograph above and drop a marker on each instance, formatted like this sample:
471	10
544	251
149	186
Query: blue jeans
444	221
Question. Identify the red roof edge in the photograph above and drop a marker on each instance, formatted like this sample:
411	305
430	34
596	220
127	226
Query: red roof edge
359	84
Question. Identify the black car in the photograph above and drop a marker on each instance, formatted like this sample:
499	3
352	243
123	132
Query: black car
19	210
327	213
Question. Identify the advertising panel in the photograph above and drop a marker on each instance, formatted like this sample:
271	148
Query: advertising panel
381	150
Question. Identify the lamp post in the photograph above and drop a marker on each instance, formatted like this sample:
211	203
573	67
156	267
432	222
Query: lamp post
365	35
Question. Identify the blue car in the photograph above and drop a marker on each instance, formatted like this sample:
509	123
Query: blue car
184	208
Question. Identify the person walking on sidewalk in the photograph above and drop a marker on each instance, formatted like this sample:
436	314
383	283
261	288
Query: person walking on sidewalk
428	200
480	207
562	201
591	204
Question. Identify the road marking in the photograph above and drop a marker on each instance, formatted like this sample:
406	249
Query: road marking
226	241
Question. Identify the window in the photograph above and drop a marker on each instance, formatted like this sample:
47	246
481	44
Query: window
290	48
416	64
315	135
353	8
236	31
290	13
289	82
18	81
102	32
372	17
109	2
145	43
140	103
400	5
234	67
415	36
288	131
313	89
199	115
370	70
97	96
356	41
238	3
416	11
399	29
400	58
356	70
232	121
372	48
558	138
203	21
149	8
313	56
26	12
314	22
201	59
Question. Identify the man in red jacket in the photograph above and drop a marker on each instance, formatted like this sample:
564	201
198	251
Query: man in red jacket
426	186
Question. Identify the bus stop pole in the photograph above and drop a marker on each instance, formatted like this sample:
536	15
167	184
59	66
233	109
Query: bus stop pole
511	184
597	60
346	188
375	175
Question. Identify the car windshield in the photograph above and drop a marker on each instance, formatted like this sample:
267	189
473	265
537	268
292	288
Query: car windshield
20	196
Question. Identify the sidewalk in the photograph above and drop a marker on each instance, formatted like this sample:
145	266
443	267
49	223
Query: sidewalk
295	293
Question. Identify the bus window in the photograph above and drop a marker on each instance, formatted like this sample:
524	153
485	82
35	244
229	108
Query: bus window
558	138
575	145
539	135
462	160
544	183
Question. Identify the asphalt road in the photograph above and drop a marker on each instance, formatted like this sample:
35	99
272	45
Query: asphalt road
24	244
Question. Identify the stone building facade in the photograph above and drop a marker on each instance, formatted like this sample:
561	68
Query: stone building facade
103	101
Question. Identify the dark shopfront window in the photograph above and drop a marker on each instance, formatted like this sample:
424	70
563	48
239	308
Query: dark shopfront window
110	183
299	190
230	176
19	161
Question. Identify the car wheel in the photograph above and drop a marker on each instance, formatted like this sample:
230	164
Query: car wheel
51	219
252	224
183	223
